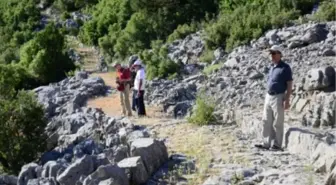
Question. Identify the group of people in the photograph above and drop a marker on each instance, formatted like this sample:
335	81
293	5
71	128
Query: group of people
130	77
279	89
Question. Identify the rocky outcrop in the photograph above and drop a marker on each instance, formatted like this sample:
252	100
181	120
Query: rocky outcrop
8	179
240	82
320	79
321	111
85	145
176	98
187	50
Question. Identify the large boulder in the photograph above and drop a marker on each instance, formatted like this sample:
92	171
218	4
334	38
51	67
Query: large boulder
321	112
135	169
153	153
321	78
8	179
27	172
42	181
185	50
71	174
107	172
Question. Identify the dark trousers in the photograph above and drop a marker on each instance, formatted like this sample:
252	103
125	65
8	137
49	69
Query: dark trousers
138	103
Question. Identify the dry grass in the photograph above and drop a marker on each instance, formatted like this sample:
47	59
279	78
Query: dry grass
207	146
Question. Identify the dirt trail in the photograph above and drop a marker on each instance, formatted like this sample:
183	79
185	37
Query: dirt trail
182	138
111	104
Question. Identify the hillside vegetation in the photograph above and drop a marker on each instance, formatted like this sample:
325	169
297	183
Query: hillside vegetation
33	53
122	28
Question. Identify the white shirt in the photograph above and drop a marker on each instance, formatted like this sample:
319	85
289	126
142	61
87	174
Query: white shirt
140	75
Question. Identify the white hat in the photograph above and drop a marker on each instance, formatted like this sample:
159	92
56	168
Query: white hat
137	63
276	48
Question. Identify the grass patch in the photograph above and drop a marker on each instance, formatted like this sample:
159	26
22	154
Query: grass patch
203	110
207	56
212	68
309	169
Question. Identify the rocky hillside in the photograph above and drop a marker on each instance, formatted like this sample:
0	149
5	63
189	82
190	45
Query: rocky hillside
88	147
85	146
237	83
238	78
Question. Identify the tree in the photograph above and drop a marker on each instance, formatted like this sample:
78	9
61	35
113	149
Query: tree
22	135
45	57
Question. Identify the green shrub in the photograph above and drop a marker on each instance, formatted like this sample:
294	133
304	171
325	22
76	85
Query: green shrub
135	24
203	111
207	56
14	77
45	57
66	5
65	15
22	136
182	31
242	21
211	68
326	11
157	64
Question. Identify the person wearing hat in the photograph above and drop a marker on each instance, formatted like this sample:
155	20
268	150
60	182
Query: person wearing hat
131	60
123	79
139	88
279	89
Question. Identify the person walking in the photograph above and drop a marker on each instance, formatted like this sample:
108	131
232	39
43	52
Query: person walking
279	89
139	88
123	80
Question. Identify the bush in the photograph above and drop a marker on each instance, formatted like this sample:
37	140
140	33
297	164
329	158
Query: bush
65	15
212	68
14	78
182	31
207	56
203	111
66	5
45	57
157	64
326	11
131	26
242	21
22	135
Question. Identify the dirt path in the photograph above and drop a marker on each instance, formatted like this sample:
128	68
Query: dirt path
182	138
111	104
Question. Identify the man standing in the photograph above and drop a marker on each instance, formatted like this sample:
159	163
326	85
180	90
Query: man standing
279	89
139	88
123	79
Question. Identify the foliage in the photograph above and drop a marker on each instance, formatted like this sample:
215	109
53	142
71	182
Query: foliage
203	111
207	56
246	22
14	77
44	56
18	19
157	65
22	136
66	5
212	68
131	26
182	31
326	11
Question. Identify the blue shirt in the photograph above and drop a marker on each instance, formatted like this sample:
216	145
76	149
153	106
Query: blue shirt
278	77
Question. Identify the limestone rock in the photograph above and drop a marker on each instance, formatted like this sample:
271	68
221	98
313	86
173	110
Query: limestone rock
136	169
152	152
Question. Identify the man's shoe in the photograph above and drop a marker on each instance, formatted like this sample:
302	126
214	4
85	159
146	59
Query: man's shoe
261	146
276	148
